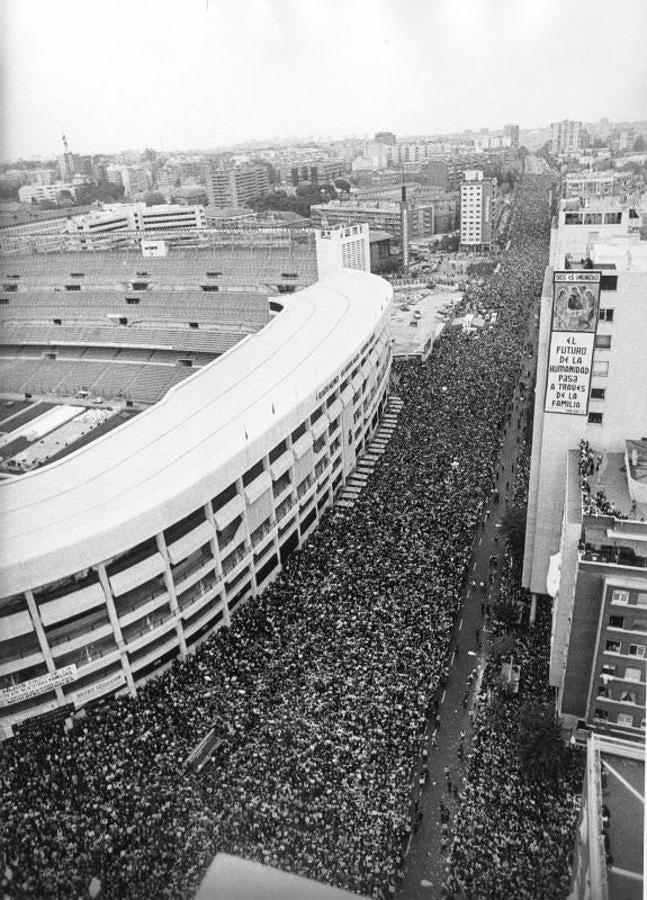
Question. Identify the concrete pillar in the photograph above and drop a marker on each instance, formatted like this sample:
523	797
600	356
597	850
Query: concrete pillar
116	628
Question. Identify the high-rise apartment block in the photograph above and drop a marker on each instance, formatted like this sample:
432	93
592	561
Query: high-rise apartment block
586	534
236	185
565	137
477	210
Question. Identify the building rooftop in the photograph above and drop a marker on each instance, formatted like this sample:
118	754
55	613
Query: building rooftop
605	490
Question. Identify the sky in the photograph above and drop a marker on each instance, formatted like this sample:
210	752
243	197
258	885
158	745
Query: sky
201	74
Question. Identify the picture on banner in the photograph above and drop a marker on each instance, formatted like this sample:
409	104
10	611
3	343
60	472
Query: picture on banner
576	299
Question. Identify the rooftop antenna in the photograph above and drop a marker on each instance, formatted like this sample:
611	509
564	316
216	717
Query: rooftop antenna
65	147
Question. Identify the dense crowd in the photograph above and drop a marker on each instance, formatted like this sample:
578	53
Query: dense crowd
321	687
512	836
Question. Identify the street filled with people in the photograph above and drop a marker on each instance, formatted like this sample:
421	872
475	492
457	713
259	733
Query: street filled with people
321	688
512	835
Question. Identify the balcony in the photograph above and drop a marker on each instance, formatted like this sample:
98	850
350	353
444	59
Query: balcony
139	612
284	508
138	637
19	661
193	574
200	594
96	633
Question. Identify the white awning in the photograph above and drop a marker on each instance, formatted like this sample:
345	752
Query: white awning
302	445
282	464
319	427
229	511
137	574
257	487
183	547
72	604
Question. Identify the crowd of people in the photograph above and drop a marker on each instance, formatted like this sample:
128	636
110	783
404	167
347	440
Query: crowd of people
320	689
512	836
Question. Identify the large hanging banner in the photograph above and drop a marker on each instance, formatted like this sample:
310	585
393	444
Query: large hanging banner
576	301
26	690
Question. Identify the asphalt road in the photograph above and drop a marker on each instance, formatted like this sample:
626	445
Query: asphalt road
426	855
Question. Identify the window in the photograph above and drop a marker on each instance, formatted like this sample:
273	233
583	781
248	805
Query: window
132	301
608	670
632	674
298	432
612	647
123	320
209	287
640	625
606	315
609	283
9	287
601	713
628	697
253	473
597	393
193	325
213	274
139	285
616	622
77	274
277	451
641	600
72	287
595	418
620	596
57	321
600	367
603	341
637	650
625	719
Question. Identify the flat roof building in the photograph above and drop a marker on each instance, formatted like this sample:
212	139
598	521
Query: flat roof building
593	295
477	210
236	185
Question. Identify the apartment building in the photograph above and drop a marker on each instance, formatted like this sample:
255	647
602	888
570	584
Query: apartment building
323	171
477	210
236	185
565	137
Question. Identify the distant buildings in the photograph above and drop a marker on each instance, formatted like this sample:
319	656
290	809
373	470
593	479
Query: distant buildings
425	218
236	185
121	225
565	137
36	193
317	172
477	210
385	137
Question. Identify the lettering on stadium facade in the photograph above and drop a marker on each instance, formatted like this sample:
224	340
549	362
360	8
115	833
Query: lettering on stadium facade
574	319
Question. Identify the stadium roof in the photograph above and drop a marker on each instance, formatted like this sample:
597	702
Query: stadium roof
158	467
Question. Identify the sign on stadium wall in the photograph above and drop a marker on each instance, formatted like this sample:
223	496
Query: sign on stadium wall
17	693
576	301
101	687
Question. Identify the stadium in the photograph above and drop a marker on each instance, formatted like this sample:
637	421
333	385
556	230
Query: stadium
172	430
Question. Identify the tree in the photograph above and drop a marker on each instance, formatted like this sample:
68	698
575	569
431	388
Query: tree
542	754
154	198
514	528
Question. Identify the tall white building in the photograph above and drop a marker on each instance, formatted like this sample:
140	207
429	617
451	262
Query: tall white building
590	378
565	136
477	210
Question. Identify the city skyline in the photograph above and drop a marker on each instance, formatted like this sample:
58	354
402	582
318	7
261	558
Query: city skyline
206	74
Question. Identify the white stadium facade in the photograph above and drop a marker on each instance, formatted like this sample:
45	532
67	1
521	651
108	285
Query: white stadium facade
125	553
